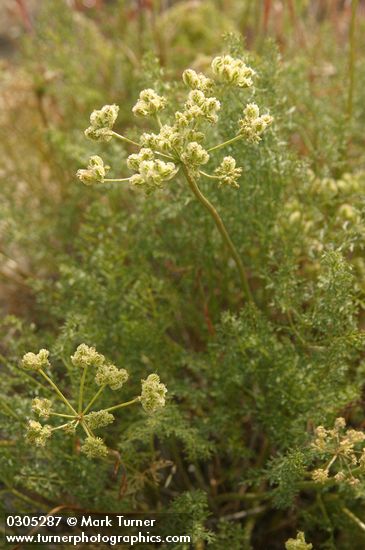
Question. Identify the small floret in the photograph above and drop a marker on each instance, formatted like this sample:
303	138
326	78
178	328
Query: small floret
37	434
195	154
99	419
228	173
95	171
86	356
42	407
233	71
94	447
109	375
197	81
101	123
153	394
252	125
36	361
149	103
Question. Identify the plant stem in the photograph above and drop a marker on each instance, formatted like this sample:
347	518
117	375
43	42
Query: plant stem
59	393
60	427
82	385
85	428
354	518
220	145
350	97
127	140
222	230
122	405
209	175
99	392
164	155
62	415
131	142
115	179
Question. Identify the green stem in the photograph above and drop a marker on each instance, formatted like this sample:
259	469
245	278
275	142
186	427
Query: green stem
62	415
165	156
220	145
354	518
131	142
222	230
122	405
82	385
126	140
57	390
115	179
60	427
209	175
99	392
85	428
352	58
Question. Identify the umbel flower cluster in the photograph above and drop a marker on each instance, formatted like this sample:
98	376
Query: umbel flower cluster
105	375
178	144
344	452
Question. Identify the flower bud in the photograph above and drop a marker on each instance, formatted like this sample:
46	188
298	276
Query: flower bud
153	393
199	106
181	120
134	161
251	111
86	356
105	117
95	172
98	134
149	140
253	125
136	180
42	407
232	71
149	103
101	123
109	375
197	81
152	172
98	419
228	173
94	447
32	361
195	154
37	434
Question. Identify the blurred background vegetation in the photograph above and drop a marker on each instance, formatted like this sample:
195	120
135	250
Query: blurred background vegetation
108	267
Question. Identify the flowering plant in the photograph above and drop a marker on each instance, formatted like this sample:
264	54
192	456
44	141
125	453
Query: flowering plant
152	398
178	146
